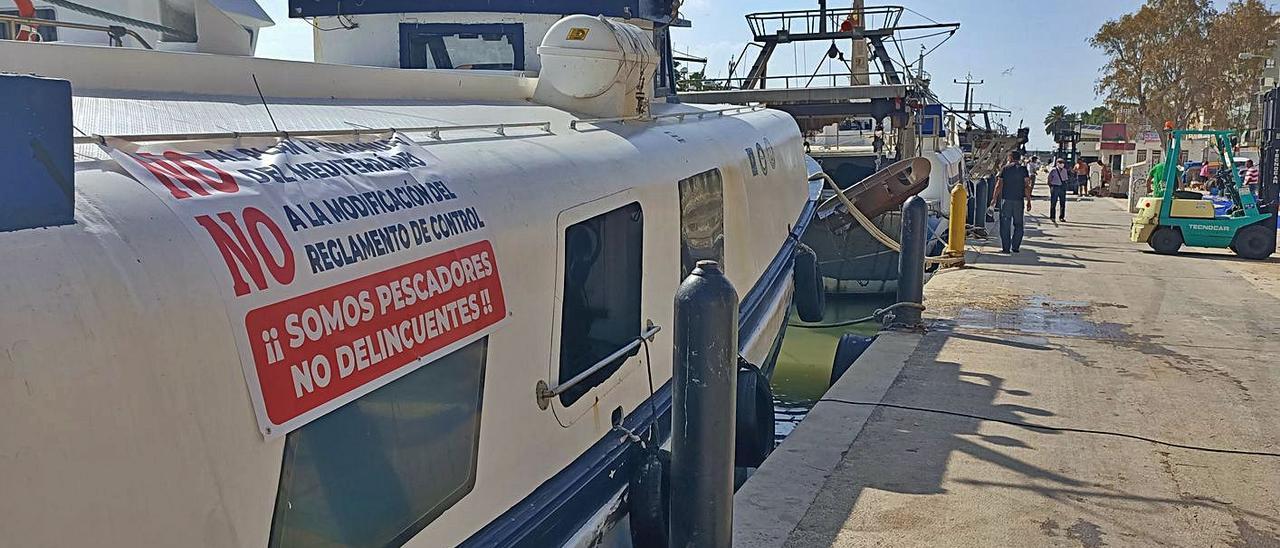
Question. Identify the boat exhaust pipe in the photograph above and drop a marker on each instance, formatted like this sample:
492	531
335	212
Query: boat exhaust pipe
703	409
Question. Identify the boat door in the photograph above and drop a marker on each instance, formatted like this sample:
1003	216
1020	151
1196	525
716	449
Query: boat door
599	297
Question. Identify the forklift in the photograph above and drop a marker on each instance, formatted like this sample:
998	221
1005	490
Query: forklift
1171	218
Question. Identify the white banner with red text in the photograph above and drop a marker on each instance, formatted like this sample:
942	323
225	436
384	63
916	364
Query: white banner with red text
345	263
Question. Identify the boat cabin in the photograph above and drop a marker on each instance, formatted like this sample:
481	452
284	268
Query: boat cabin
494	35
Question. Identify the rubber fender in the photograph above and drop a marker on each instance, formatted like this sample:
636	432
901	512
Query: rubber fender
649	497
753	425
848	350
810	299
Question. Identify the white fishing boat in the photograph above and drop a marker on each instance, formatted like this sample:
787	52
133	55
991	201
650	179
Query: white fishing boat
253	302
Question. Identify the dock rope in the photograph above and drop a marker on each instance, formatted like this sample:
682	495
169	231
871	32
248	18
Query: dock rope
872	229
879	314
1034	426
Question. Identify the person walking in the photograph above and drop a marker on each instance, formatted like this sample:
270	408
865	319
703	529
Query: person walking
1058	177
1013	187
1251	177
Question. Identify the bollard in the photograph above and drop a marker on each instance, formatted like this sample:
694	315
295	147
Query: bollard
955	230
703	410
981	197
915	226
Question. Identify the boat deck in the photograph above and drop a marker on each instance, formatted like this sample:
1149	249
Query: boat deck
1081	329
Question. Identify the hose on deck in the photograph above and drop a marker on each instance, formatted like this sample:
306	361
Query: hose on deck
122	20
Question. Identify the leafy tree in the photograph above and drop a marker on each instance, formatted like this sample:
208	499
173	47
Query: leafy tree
687	80
1244	27
1056	114
1098	116
1179	60
697	81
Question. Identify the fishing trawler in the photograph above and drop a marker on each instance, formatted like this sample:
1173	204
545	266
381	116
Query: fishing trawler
258	302
873	111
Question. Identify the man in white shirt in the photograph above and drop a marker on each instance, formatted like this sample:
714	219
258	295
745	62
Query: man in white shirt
1058	179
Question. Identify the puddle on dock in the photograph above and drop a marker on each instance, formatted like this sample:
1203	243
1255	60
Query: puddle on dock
803	371
1041	315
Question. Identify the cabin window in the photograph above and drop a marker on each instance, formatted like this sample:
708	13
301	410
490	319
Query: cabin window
601	314
701	220
450	46
376	471
47	33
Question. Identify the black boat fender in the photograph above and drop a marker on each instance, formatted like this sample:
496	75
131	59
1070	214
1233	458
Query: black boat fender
754	423
810	299
848	350
649	496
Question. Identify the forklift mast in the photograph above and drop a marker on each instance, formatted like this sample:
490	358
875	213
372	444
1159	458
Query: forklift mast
1269	170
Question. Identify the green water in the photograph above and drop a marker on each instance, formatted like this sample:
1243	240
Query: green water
803	370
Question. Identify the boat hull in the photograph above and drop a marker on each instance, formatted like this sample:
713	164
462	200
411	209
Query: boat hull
585	504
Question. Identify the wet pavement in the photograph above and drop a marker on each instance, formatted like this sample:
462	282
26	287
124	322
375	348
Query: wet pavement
1081	329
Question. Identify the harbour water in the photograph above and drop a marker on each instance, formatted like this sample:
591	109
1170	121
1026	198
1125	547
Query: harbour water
803	371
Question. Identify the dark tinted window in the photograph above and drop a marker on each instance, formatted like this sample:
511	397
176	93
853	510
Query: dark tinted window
450	46
379	469
601	294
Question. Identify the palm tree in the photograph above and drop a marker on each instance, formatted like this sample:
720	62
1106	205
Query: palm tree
1056	114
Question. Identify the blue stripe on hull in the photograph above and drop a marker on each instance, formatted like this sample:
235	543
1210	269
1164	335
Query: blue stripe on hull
561	506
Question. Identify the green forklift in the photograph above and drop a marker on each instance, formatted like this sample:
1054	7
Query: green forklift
1171	218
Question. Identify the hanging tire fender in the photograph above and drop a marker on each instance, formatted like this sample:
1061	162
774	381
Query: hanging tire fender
754	421
810	299
649	497
848	350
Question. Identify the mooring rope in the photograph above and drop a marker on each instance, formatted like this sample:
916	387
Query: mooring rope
872	229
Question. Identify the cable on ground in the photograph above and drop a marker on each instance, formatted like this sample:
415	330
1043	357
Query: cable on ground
1045	427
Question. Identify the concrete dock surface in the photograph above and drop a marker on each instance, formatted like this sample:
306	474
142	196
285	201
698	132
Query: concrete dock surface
1081	329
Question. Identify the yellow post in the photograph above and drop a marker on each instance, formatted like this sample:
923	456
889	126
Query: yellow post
956	232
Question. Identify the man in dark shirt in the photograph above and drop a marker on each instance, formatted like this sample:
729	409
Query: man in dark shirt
1013	187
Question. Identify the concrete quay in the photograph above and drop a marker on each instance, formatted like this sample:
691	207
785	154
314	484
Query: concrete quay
1081	329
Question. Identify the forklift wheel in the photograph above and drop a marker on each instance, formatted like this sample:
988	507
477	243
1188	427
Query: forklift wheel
1166	240
1254	242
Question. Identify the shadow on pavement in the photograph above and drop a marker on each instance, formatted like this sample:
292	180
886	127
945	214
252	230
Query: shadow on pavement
1224	255
908	452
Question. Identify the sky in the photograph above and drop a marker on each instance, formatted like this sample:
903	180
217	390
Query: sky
1032	54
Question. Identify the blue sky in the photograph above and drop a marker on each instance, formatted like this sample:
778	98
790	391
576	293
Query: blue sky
1042	45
